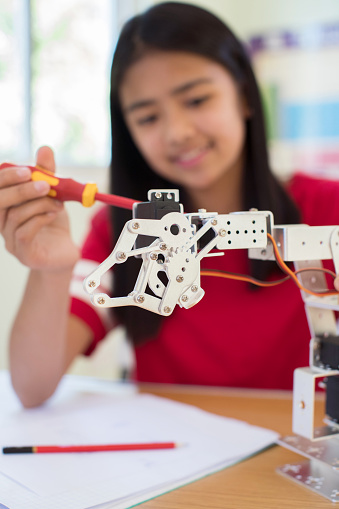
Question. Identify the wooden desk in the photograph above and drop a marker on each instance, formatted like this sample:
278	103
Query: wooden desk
254	482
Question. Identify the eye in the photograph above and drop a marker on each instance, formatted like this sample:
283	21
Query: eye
147	119
197	101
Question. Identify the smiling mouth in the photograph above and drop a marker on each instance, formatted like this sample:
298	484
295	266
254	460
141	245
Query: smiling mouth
191	156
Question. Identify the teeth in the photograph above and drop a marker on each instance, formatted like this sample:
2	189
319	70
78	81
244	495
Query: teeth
190	155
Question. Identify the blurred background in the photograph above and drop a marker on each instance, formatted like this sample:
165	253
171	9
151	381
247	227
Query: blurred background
55	62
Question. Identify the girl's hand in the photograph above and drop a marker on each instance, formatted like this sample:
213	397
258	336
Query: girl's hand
35	227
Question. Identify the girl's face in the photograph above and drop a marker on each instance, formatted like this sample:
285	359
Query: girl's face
187	118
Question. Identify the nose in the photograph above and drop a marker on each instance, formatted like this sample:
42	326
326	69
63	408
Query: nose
178	127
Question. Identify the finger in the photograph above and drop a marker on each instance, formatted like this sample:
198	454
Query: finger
14	197
14	217
12	176
25	235
45	158
19	215
336	283
18	194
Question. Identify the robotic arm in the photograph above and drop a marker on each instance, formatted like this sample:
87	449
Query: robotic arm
174	244
171	245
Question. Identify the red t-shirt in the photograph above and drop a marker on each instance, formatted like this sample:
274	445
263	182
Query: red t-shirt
234	336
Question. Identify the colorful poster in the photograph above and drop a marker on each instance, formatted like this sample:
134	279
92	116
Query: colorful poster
298	74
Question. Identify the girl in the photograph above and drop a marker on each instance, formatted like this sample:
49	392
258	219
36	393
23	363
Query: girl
186	114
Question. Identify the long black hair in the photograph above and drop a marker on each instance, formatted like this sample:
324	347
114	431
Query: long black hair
174	26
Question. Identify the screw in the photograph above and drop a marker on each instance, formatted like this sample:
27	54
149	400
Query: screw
222	232
184	298
194	288
263	252
101	300
121	255
179	279
140	299
158	195
162	246
135	226
91	284
214	222
167	309
153	256
302	405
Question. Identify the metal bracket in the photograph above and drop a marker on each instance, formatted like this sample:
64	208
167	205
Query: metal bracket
320	445
303	404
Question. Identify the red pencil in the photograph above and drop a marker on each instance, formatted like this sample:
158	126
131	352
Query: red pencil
88	448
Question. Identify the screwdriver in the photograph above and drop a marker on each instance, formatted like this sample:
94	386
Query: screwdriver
66	189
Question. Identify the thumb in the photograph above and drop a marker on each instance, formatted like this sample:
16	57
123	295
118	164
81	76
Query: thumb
336	283
45	158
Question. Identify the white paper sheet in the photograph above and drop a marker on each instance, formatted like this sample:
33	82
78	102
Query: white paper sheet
99	413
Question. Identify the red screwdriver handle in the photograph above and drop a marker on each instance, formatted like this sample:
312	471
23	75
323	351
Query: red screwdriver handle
63	189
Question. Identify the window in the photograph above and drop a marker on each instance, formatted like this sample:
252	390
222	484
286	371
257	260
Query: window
55	60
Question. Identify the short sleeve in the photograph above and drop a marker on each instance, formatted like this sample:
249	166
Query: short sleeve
95	250
317	199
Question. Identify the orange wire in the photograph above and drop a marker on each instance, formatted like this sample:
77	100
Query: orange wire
290	274
242	277
287	270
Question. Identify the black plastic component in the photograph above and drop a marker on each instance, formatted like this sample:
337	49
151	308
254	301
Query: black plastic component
158	208
332	398
329	351
207	237
155	209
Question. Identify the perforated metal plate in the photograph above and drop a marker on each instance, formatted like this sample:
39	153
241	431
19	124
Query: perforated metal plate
325	450
314	475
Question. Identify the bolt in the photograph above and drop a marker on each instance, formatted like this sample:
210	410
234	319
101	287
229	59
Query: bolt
214	222
101	300
91	284
184	298
167	309
222	232
162	246
158	195
153	256
135	226
140	299
179	279
194	288
121	255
